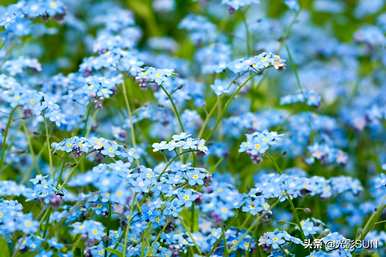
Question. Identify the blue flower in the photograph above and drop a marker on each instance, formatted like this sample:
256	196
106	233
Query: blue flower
185	197
259	142
183	141
237	4
200	29
277	239
92	230
257	63
310	98
221	87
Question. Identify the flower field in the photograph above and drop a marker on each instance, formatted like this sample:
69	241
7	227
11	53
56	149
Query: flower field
192	128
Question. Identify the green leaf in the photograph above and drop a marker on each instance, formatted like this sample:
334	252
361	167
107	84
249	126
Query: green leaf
114	251
4	249
27	254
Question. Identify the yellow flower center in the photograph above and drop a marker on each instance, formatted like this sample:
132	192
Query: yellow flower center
99	144
53	4
28	223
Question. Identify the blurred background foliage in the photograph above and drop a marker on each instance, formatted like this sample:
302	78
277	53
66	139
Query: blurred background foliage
154	23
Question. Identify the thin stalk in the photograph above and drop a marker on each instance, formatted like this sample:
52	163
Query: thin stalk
125	240
173	159
247	33
292	205
207	118
246	220
287	32
76	243
48	147
210	114
89	127
219	118
192	217
255	222
296	216
213	168
68	176
372	220
27	175
85	128
159	234
191	237
5	136
295	69
132	132
47	222
174	107
131	123
106	243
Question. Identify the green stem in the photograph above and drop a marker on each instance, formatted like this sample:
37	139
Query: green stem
292	205
250	228
247	34
48	147
5	136
27	174
246	220
192	217
131	123
47	222
76	243
288	29
210	114
191	237
68	176
173	159
207	118
106	243
295	69
159	234
125	241
174	107
372	220
85	129
296	216
227	103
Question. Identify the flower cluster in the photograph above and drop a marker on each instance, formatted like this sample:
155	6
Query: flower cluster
309	98
181	141
192	128
13	219
284	186
259	142
257	63
90	229
101	146
277	239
